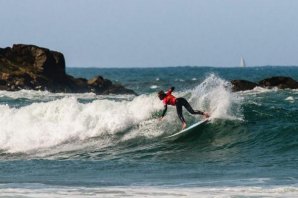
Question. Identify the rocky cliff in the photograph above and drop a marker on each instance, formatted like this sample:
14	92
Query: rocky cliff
32	67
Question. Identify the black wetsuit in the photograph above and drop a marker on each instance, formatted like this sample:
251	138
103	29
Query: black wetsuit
182	102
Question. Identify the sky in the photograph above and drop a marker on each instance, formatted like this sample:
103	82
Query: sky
156	33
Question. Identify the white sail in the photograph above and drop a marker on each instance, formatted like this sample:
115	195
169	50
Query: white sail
242	62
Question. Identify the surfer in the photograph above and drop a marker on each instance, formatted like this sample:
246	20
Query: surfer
168	99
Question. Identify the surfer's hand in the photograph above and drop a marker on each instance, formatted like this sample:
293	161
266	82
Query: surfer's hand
160	119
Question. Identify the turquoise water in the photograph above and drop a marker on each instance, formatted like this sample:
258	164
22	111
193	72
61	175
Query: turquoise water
83	145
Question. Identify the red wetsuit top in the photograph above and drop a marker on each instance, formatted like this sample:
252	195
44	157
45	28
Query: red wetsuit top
169	99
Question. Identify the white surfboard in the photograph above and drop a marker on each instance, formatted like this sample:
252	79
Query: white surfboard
188	128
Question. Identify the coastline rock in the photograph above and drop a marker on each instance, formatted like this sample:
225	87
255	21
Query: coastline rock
32	67
243	85
281	82
98	83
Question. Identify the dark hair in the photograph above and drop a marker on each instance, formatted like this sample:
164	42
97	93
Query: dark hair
161	95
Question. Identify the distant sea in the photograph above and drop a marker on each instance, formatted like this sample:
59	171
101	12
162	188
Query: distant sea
86	145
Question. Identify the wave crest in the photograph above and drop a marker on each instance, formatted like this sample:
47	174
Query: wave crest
42	125
215	95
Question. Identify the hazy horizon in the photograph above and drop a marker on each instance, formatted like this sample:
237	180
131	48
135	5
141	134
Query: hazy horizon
168	33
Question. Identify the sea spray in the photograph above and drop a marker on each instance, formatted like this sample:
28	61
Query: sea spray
214	95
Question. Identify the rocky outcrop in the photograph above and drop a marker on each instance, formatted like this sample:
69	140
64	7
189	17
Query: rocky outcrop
280	82
33	67
241	85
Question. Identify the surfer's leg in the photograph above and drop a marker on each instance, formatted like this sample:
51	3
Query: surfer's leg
179	111
189	108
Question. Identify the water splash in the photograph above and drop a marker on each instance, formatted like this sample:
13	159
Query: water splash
214	95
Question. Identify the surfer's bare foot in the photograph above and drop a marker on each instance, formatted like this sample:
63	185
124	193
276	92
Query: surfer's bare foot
183	125
206	115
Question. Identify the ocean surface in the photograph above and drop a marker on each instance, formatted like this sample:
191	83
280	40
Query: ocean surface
85	145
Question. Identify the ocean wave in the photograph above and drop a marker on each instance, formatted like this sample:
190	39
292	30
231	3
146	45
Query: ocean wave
51	123
66	120
67	125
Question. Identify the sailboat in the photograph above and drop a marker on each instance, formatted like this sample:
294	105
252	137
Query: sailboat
242	62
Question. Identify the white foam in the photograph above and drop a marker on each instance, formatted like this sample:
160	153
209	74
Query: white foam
42	125
147	191
257	90
46	96
153	87
214	95
290	99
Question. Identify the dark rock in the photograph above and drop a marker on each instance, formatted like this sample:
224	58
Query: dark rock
242	85
97	81
2	82
119	89
98	84
33	67
32	59
279	81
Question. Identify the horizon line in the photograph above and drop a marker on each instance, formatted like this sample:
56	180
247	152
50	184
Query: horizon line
156	67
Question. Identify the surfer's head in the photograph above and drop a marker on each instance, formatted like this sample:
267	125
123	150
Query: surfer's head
161	95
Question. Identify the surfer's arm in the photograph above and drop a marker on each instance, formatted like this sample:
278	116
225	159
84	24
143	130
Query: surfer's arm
164	111
170	90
